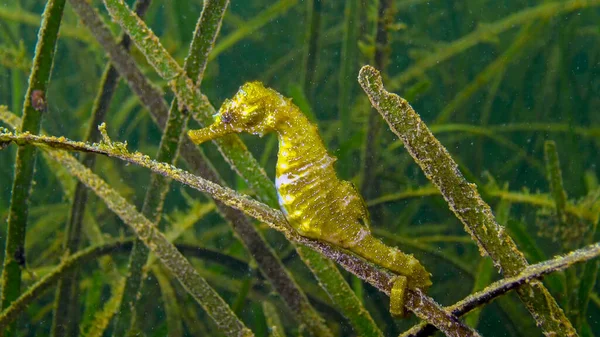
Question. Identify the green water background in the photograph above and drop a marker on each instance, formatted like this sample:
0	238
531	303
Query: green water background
493	80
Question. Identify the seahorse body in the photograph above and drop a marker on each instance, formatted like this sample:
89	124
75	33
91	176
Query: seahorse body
316	203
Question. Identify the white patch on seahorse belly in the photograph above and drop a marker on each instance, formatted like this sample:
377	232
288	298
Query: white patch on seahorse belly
281	204
285	179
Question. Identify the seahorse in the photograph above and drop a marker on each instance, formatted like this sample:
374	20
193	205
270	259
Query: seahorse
315	202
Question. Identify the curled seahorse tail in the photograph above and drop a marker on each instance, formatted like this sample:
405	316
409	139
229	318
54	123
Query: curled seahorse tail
372	249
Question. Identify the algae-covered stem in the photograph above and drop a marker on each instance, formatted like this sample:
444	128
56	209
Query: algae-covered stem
532	272
34	107
463	199
205	34
66	312
187	275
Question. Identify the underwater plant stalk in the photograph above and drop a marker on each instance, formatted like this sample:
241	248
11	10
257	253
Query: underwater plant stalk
556	183
230	146
531	272
205	34
273	321
34	106
69	263
178	265
85	255
348	64
370	154
313	34
66	313
464	200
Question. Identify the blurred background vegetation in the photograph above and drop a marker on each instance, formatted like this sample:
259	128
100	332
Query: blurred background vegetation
494	80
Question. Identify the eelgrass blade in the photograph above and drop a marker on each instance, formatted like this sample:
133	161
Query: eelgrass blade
34	107
205	34
171	258
20	15
371	144
348	65
556	182
314	10
169	298
463	199
66	314
532	272
9	314
273	321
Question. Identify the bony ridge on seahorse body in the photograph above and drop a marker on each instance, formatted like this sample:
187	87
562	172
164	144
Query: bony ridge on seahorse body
315	202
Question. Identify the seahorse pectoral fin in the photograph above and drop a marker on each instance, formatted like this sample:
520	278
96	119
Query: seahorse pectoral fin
211	132
398	296
357	203
366	218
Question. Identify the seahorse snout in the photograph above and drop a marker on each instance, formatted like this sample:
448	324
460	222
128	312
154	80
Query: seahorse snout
211	132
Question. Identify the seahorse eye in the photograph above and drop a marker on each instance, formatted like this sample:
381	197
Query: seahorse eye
226	117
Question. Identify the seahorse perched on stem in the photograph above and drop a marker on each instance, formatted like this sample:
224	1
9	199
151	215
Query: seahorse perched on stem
315	202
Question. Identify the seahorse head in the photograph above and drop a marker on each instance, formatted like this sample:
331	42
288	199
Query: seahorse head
254	109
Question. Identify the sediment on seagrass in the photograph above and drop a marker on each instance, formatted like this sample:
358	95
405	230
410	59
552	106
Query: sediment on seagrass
66	310
205	34
242	162
181	268
47	281
494	290
423	306
34	107
152	99
463	199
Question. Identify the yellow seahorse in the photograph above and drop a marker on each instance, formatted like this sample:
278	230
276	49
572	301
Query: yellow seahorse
315	202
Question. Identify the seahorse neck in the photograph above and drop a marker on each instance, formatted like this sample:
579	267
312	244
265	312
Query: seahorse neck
300	145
